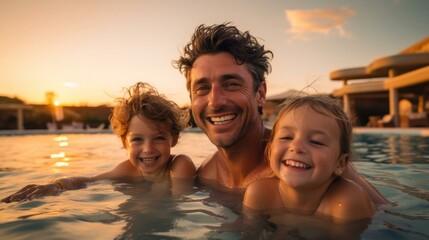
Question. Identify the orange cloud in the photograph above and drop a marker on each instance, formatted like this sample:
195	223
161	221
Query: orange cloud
319	21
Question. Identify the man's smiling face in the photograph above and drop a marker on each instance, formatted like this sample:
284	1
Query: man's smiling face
224	104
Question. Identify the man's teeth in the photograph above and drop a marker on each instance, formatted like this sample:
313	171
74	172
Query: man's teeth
222	119
148	160
296	164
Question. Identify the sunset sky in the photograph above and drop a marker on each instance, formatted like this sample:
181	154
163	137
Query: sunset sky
87	51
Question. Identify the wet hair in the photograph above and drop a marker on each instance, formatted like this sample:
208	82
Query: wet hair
325	105
143	100
226	38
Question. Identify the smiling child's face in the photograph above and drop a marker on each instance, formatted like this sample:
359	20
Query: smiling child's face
149	146
305	151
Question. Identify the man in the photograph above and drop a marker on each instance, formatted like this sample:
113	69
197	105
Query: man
225	71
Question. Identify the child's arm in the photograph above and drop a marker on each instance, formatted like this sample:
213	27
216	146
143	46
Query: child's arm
253	203
57	186
262	195
182	173
33	191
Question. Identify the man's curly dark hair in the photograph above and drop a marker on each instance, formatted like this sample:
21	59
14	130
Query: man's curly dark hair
226	38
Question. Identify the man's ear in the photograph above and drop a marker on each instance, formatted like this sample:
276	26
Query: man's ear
342	164
262	94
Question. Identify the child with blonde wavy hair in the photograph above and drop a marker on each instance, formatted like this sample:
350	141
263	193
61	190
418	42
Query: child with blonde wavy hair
148	125
308	151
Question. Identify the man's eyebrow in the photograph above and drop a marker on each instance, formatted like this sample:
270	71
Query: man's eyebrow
231	76
204	80
199	81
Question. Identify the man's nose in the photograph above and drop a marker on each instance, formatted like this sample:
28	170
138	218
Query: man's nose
217	97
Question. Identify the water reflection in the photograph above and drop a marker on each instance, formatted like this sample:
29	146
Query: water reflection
58	155
61	164
148	209
392	149
61	159
156	211
292	226
124	210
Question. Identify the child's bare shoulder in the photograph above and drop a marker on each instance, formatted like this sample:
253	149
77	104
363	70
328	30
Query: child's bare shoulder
346	201
262	194
182	166
122	170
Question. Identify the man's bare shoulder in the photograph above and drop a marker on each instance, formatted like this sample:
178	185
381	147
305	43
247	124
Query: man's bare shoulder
208	169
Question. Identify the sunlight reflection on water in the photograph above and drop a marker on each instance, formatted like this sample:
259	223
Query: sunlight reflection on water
396	165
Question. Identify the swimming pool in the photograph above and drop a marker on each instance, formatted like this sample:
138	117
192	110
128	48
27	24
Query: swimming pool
397	165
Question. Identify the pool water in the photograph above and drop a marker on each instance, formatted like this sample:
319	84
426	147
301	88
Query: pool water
397	165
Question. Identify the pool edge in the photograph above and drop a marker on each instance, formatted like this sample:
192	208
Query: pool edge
424	132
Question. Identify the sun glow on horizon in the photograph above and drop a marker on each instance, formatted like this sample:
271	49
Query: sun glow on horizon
86	52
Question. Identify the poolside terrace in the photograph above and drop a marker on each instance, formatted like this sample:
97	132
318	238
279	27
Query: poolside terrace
391	91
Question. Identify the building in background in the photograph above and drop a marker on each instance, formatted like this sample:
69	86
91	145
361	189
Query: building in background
389	91
270	109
